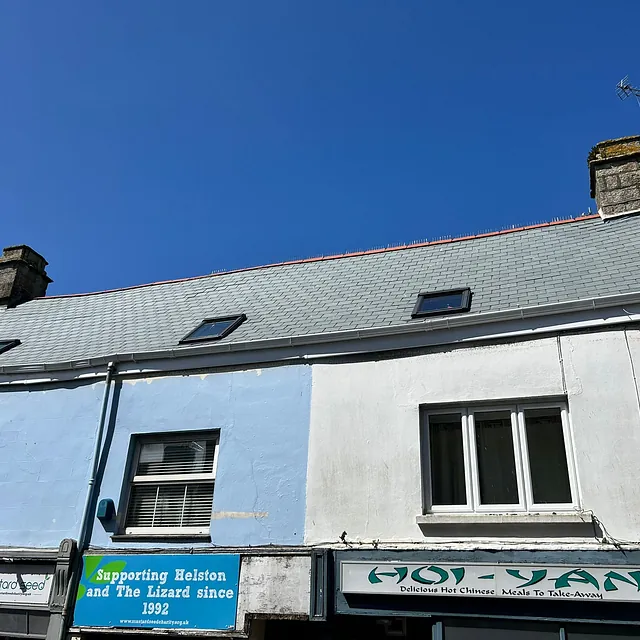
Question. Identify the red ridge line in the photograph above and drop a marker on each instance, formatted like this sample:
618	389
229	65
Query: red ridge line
354	254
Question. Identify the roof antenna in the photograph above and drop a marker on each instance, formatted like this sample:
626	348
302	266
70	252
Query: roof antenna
624	90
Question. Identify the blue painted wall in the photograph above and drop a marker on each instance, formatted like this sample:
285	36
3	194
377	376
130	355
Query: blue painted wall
46	443
263	418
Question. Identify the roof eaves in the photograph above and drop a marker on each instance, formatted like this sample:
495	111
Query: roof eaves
431	324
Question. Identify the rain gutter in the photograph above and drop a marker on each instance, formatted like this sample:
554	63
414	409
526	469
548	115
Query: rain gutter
412	328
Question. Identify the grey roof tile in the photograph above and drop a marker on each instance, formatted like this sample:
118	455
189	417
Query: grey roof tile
535	266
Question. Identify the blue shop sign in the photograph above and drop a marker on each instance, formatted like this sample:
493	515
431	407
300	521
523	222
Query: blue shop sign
185	591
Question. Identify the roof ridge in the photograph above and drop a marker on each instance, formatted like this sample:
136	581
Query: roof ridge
353	254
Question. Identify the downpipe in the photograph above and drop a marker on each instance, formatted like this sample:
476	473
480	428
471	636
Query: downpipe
87	515
88	511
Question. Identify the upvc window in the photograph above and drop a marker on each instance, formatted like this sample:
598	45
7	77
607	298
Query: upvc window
172	482
498	459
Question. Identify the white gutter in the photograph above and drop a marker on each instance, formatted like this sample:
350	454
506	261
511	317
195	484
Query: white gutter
413	328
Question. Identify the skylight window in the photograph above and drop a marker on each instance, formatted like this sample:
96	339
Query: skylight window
214	328
433	303
5	345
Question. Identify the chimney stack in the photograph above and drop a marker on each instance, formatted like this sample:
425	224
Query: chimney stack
22	275
614	168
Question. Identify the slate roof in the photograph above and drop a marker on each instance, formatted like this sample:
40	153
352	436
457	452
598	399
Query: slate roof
554	262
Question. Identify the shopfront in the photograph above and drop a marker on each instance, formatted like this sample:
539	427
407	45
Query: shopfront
25	589
189	593
33	587
485	595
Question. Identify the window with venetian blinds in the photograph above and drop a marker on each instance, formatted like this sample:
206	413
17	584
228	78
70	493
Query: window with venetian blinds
172	485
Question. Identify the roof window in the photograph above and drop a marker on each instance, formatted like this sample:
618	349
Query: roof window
214	328
5	345
434	303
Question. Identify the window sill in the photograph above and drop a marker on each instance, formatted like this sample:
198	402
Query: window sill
166	537
502	518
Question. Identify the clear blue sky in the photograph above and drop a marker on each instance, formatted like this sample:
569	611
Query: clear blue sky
151	139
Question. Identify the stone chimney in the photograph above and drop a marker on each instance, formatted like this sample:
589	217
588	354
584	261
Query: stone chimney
614	167
22	275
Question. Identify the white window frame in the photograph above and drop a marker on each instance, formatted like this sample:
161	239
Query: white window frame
521	457
143	439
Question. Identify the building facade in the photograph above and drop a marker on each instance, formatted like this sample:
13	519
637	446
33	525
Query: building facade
432	441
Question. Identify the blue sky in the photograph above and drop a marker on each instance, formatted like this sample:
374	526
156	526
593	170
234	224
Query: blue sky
151	140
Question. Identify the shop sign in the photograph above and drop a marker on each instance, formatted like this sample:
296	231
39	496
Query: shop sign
20	585
490	581
159	591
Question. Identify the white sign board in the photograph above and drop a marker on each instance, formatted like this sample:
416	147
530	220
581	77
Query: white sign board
19	585
492	581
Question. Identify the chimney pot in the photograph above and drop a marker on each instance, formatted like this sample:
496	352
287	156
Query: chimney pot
614	169
22	275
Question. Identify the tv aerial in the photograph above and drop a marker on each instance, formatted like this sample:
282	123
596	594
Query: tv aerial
624	90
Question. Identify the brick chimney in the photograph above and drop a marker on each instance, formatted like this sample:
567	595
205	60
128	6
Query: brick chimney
614	167
22	275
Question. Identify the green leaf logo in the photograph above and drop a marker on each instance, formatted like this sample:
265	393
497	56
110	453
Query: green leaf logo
91	564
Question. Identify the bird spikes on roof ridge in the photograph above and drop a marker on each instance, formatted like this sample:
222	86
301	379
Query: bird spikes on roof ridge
392	247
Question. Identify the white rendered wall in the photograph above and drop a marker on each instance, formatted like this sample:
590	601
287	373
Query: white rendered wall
364	447
606	426
364	450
